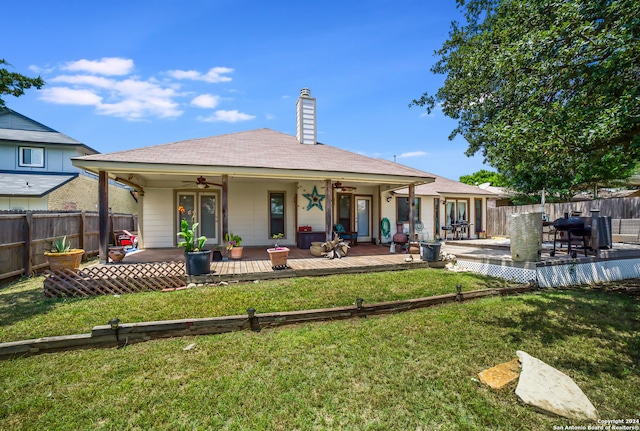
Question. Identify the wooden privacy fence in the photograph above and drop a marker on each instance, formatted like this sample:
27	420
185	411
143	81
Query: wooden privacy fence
114	279
616	208
122	334
24	237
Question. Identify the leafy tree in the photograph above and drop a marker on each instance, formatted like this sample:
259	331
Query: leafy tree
14	83
484	176
547	90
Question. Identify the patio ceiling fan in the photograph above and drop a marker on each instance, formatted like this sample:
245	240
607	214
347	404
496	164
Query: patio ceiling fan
202	183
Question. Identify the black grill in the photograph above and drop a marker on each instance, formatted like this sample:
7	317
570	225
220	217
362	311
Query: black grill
574	226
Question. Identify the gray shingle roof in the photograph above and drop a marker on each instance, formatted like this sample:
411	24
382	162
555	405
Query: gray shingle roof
19	128
261	148
31	185
443	185
37	137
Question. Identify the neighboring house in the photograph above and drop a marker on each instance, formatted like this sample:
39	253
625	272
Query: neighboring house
502	195
445	203
262	182
36	172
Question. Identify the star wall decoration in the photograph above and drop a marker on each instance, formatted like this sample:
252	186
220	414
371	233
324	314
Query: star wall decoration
315	199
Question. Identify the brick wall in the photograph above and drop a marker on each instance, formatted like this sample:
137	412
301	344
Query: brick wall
82	194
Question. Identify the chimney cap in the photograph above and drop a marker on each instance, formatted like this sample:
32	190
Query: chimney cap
305	92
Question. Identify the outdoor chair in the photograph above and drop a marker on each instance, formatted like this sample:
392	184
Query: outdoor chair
351	236
126	239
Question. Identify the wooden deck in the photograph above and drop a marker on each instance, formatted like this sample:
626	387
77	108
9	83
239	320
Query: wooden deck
488	257
255	264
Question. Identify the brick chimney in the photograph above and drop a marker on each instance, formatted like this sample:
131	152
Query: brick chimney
306	118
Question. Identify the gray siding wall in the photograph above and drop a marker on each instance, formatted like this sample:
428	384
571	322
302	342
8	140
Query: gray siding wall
56	158
20	123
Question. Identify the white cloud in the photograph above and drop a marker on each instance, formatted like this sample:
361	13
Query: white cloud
105	66
141	98
41	70
227	116
214	75
108	85
412	154
90	80
206	101
270	116
70	96
129	98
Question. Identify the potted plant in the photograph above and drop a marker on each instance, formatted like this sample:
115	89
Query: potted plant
62	256
197	260
278	255
234	248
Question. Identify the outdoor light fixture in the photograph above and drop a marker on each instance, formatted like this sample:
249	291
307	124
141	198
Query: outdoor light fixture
359	302
253	320
458	292
114	323
389	198
202	186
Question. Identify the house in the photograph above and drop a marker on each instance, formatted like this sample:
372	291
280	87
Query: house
36	172
446	208
257	184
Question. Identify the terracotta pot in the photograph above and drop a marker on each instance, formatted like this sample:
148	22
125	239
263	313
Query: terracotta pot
116	254
69	260
236	253
400	237
279	256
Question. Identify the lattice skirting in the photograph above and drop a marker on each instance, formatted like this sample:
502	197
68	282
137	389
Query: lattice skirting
561	275
512	273
116	279
590	272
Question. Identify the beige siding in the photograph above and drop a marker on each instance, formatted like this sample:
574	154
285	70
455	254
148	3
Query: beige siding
389	212
158	218
249	211
313	217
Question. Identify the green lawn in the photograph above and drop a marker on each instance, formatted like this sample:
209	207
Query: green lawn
413	370
26	314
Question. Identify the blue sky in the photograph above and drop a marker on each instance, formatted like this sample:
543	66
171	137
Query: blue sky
128	74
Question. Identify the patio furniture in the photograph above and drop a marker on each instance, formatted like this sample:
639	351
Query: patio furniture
352	236
126	239
305	240
446	230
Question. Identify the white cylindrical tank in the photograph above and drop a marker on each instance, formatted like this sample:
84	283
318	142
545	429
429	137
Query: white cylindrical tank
525	234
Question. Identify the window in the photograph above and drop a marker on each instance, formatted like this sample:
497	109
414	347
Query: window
30	156
403	209
276	214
